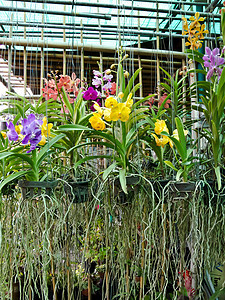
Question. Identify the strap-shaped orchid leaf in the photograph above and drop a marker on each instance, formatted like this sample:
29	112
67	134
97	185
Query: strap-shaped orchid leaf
46	148
181	135
122	177
11	178
107	171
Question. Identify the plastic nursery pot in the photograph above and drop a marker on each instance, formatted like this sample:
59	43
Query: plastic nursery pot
30	188
78	191
133	184
182	190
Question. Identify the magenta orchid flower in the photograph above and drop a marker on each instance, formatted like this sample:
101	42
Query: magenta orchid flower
90	94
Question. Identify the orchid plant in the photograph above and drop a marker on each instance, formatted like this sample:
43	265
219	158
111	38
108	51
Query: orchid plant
22	140
212	102
116	125
212	94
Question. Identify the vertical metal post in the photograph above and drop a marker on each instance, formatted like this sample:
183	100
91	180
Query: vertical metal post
64	40
82	56
157	47
10	55
183	65
118	24
25	57
42	55
139	59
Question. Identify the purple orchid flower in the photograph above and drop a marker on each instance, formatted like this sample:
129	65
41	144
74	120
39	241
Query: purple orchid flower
32	131
212	60
107	86
107	77
92	106
97	73
90	94
96	81
12	134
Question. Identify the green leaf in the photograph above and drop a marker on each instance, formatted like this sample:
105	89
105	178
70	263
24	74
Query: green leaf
218	177
168	163
5	154
88	158
130	84
67	103
179	174
217	294
73	127
108	171
181	135
48	145
122	177
11	178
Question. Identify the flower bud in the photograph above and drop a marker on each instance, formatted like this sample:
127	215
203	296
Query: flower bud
126	74
113	66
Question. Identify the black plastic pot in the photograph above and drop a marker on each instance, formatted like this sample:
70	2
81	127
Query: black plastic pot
30	188
78	191
133	185
174	190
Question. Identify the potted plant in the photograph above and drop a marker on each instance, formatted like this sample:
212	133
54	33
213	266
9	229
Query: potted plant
116	124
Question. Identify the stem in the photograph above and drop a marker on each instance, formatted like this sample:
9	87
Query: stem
35	168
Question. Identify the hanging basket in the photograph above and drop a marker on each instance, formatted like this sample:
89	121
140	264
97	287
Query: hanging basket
31	188
133	185
78	191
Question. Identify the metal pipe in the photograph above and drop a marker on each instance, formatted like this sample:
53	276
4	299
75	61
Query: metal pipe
77	26
87	47
53	12
211	6
94	4
171	2
106	17
110	33
60	55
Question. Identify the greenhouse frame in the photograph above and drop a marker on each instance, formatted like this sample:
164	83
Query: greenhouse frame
112	149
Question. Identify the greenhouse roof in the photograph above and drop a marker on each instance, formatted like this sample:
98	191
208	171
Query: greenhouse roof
106	22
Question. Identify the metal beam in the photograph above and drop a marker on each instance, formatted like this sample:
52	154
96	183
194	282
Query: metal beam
126	34
118	6
210	8
106	17
53	12
87	47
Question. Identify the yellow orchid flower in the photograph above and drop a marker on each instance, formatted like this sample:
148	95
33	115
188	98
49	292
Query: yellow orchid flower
43	140
107	113
120	95
162	141
96	122
120	112
45	131
160	125
110	102
129	101
4	134
46	127
195	31
98	108
196	20
201	32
